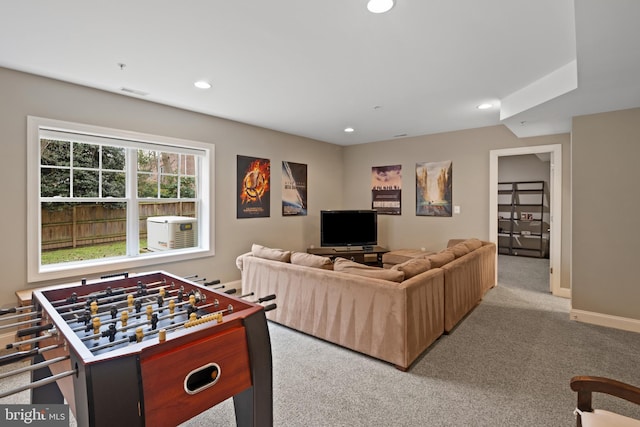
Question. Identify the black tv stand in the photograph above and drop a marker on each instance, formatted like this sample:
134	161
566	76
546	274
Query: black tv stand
372	255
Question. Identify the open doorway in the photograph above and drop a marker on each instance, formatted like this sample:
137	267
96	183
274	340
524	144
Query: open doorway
553	249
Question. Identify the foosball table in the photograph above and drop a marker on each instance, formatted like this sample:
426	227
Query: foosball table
149	349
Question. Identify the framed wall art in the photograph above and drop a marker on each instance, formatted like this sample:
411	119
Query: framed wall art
433	188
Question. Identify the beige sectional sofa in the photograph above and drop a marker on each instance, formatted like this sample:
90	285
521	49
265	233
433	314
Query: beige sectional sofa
391	314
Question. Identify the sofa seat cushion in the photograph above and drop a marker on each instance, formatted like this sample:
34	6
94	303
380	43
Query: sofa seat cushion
352	267
311	260
399	256
413	267
270	253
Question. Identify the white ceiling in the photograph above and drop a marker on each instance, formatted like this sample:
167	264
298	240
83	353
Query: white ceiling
313	68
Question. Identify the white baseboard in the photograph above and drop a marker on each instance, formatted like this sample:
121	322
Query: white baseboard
607	320
562	293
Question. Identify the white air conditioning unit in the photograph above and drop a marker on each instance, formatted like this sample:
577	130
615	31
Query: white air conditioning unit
171	232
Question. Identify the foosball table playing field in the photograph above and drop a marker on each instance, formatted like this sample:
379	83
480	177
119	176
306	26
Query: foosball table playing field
149	349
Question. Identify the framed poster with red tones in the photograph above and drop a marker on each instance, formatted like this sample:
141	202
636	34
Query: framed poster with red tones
253	187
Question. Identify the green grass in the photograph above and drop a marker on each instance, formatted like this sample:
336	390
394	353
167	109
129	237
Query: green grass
105	250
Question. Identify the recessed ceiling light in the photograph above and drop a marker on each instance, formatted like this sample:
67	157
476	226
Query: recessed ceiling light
484	106
380	6
201	84
349	130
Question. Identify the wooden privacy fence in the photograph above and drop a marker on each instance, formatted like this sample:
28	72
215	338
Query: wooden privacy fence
84	225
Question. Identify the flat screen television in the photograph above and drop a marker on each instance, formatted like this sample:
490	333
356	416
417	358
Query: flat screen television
349	228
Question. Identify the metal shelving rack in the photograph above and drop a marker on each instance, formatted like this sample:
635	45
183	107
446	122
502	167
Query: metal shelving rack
521	222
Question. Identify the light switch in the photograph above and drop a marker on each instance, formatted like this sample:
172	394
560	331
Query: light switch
456	209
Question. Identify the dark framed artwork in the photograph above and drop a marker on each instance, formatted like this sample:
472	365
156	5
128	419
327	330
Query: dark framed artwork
253	187
294	189
386	189
433	188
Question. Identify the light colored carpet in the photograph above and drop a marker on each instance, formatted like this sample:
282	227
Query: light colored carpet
507	364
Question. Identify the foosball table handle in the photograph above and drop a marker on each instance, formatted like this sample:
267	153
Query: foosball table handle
33	330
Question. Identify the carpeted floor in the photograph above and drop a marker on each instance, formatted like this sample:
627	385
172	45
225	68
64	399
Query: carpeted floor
507	364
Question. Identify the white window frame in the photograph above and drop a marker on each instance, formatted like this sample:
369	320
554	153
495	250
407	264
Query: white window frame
37	272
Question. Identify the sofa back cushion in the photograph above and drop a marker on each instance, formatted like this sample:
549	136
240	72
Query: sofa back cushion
413	267
351	267
441	258
311	260
270	253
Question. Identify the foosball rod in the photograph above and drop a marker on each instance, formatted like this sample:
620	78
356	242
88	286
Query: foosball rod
126	308
39	383
259	300
120	301
15	309
123	290
19	355
33	367
16	324
101	294
149	332
122	298
147	322
32	340
19	316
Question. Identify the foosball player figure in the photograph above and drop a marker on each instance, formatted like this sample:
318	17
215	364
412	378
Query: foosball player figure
86	319
160	302
138	306
96	327
154	321
124	317
111	332
130	302
73	298
94	307
113	311
149	310
172	307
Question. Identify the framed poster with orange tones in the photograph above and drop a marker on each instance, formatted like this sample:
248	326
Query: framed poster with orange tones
253	187
433	188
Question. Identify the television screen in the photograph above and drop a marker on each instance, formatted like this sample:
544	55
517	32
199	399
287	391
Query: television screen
349	228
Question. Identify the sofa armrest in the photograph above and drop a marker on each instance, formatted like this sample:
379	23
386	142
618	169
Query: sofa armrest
240	260
424	295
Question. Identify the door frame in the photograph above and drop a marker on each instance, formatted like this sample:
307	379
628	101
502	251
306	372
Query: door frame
555	208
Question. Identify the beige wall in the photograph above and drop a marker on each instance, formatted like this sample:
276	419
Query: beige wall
469	152
24	94
606	202
339	177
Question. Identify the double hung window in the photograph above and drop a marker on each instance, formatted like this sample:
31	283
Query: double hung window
102	199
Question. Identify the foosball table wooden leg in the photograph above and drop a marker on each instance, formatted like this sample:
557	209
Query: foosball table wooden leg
254	406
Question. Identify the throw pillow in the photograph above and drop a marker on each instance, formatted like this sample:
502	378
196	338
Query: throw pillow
459	250
413	267
311	260
473	244
352	267
441	258
270	253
